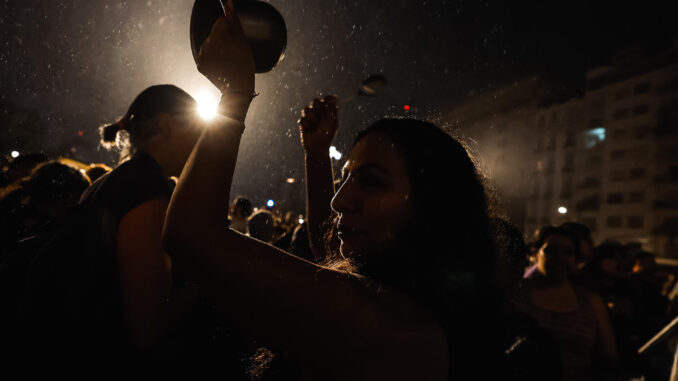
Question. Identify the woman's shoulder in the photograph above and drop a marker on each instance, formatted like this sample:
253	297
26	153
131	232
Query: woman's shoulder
130	184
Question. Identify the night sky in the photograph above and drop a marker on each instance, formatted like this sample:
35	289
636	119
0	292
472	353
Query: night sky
67	67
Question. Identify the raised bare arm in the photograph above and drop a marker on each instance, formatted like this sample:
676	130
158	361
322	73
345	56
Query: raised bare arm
317	127
334	323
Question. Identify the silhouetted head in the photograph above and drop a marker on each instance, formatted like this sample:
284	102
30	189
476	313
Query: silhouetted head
412	210
607	260
584	239
557	251
54	187
161	121
241	207
644	263
261	225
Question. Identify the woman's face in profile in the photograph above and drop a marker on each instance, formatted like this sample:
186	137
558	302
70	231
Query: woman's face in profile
373	202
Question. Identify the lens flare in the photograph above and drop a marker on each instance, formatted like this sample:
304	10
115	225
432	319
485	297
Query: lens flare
207	105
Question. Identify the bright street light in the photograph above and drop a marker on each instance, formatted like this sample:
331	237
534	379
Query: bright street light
334	154
562	210
15	154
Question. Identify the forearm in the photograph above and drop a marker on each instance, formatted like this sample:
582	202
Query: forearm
202	193
319	193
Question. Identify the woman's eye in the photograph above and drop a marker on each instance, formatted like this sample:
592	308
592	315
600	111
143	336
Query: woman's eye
370	182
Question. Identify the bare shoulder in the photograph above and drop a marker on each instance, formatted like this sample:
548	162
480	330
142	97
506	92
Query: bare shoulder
418	341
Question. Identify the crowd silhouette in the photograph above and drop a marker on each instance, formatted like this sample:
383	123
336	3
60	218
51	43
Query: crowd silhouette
131	267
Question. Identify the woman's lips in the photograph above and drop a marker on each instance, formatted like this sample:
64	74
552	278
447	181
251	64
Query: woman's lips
348	232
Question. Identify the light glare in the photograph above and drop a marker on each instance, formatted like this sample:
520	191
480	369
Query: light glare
207	105
15	154
270	203
334	154
562	210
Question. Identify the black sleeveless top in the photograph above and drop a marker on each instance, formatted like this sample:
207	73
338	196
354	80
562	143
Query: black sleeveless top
106	202
115	194
205	339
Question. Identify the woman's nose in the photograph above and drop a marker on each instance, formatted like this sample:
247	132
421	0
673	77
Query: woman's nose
344	200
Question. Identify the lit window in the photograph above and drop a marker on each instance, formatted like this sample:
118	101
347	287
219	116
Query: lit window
594	136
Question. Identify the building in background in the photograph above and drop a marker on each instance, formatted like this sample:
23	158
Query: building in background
497	127
607	158
610	158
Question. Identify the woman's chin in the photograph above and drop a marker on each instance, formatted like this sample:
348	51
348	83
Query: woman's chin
347	250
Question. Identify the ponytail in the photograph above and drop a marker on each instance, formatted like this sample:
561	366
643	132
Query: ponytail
109	133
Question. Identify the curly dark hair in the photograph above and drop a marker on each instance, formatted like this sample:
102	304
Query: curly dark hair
446	256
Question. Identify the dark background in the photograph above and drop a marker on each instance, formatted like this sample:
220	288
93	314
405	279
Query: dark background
67	67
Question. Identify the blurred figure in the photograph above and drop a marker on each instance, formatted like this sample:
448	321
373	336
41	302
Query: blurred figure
261	225
38	203
55	187
576	318
584	240
97	170
650	304
23	165
299	244
531	352
239	213
18	219
604	275
4	171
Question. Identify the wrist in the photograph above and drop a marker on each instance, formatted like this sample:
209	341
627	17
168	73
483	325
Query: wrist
235	105
317	153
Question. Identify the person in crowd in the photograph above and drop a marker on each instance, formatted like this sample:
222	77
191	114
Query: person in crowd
97	170
29	217
54	188
421	302
23	165
584	240
531	352
39	202
240	211
646	285
604	275
299	245
4	171
576	318
128	209
261	225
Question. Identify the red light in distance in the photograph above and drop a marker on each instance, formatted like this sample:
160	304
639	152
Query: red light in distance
406	107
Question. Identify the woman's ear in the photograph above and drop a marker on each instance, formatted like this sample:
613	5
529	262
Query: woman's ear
164	125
